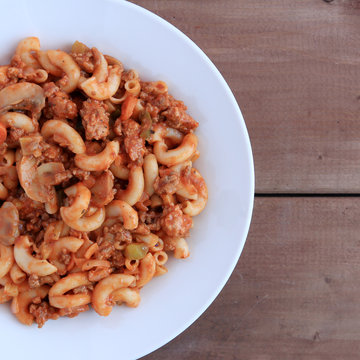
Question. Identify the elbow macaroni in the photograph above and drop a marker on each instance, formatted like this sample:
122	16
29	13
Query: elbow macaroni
90	220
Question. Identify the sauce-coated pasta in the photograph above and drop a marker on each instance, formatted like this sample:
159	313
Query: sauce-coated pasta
97	185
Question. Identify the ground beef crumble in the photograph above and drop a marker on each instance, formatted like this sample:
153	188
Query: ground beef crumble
95	119
167	182
43	312
59	105
174	222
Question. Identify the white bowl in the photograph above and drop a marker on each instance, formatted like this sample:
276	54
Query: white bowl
145	42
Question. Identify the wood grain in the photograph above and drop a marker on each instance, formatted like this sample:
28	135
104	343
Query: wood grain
294	294
294	69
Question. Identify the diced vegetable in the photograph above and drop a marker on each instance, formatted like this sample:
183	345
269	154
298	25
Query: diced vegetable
146	123
79	48
136	251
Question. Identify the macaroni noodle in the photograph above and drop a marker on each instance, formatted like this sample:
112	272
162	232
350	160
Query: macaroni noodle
97	184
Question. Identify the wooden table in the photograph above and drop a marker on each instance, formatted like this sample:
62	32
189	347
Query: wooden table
294	67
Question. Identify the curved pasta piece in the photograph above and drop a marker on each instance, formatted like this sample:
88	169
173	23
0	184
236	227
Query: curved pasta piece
104	288
25	48
17	120
57	297
175	156
119	169
43	59
86	223
3	192
151	172
147	269
20	304
64	135
16	274
69	243
160	257
6	259
67	64
195	207
55	230
130	297
103	90
161	132
150	239
27	262
9	224
90	264
181	250
185	188
47	172
22	96
52	206
100	66
10	177
135	188
81	201
27	172
98	162
4	296
8	158
119	208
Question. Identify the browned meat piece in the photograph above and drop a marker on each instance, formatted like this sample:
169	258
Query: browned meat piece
65	258
153	111
161	101
5	80
74	311
53	153
167	182
59	105
80	173
43	312
151	219
134	144
135	148
130	128
95	119
28	209
84	289
102	192
121	234
177	118
106	250
117	260
85	60
14	135
19	70
34	281
142	229
174	222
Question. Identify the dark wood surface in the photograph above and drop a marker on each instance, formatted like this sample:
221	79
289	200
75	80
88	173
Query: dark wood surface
293	66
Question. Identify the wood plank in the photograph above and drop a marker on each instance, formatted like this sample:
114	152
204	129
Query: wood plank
294	69
295	292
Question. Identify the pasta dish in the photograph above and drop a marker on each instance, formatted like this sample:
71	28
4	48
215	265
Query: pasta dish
97	184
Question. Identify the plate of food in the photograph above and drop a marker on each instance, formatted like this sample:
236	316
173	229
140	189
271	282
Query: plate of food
126	180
